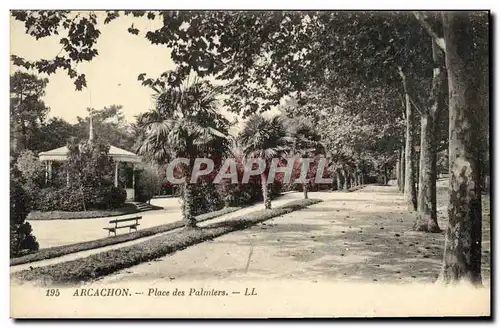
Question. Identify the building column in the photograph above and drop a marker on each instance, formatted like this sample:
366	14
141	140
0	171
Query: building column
50	170
116	174
46	172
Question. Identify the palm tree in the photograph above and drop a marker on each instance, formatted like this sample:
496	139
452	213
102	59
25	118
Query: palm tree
264	138
184	123
306	141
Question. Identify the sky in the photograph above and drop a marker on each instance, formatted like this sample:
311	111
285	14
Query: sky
111	76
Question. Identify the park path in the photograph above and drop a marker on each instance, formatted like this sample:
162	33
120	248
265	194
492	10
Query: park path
359	236
50	233
70	231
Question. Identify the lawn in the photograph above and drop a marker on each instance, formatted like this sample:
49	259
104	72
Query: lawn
92	214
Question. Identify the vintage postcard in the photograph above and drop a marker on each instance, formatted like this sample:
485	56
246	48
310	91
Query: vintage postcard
249	164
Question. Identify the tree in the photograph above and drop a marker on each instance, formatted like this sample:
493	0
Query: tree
32	172
51	134
431	115
89	168
77	46
22	240
426	199
466	44
306	141
27	109
264	138
185	123
273	54
109	126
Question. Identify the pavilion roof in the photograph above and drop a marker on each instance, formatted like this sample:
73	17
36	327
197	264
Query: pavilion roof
118	154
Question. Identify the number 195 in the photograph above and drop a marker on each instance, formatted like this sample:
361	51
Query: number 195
52	292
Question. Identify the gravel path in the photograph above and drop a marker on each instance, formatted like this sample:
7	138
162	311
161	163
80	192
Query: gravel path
362	236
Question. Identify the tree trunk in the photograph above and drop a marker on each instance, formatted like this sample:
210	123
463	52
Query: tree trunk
402	169
462	252
265	191
398	174
427	215
24	139
304	189
187	202
410	192
339	181
83	198
427	207
385	175
346	179
187	206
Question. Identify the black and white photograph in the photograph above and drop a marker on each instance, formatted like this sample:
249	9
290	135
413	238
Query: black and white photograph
250	163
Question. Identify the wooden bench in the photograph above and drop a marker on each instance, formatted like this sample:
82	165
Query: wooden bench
132	224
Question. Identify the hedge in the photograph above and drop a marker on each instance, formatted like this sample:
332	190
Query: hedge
105	263
51	252
91	214
73	200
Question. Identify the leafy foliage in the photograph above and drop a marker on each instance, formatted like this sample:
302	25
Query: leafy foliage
185	123
32	174
77	46
90	184
21	239
27	109
30	167
264	138
110	127
72	199
147	183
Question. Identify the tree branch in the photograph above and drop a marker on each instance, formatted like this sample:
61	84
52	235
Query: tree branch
425	24
403	106
415	105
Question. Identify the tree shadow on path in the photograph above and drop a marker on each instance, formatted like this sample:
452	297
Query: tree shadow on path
371	242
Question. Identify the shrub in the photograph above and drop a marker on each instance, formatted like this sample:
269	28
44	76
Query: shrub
239	194
32	173
48	199
206	198
72	199
147	184
31	169
114	197
21	240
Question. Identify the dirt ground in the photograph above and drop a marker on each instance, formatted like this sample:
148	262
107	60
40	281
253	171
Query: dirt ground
362	236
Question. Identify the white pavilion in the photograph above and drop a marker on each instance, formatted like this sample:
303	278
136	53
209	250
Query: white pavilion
117	154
